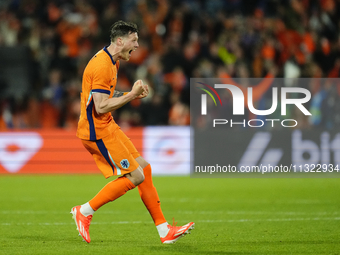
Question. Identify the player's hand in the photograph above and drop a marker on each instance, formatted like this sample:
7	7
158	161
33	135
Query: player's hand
138	88
145	93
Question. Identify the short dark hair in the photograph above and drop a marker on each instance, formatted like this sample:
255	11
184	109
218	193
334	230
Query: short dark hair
122	28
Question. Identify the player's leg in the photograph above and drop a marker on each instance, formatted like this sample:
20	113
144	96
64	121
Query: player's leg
117	188
150	198
111	191
112	158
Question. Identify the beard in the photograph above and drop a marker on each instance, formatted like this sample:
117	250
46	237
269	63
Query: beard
126	55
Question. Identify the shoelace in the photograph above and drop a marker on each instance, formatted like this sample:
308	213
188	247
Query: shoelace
173	222
89	218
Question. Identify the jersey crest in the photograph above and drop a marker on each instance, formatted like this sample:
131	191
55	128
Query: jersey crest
125	163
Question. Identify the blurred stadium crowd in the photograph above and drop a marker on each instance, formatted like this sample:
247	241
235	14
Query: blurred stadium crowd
178	40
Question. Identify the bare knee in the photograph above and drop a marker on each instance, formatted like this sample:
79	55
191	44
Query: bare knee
139	179
136	176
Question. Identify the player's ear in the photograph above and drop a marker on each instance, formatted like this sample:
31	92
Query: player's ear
119	41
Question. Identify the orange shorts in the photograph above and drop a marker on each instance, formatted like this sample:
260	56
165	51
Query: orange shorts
114	154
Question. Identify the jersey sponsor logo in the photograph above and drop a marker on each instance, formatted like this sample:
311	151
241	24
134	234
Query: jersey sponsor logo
16	149
125	163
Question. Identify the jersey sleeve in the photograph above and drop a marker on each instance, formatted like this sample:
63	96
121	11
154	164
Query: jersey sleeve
101	80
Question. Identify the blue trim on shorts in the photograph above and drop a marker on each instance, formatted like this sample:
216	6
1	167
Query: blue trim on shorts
91	123
103	150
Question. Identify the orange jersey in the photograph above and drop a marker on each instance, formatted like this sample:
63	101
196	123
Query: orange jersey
100	76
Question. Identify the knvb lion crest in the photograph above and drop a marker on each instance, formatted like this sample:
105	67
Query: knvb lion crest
125	163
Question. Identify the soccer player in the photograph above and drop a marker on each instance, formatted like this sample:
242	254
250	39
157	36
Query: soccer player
111	149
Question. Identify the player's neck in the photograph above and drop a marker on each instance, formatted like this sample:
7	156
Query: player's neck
114	51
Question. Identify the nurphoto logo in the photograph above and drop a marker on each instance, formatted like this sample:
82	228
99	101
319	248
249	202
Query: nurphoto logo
239	103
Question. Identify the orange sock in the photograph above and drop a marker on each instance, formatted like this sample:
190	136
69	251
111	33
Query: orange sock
148	194
111	192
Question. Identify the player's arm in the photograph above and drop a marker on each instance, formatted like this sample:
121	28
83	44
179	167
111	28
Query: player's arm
117	93
104	104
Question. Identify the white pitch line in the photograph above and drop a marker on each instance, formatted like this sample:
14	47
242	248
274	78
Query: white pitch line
182	212
198	221
275	220
257	213
50	212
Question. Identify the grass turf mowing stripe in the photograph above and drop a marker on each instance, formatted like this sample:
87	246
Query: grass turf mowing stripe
181	212
233	216
198	221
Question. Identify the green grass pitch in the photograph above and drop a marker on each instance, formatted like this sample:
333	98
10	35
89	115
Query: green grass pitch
232	216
